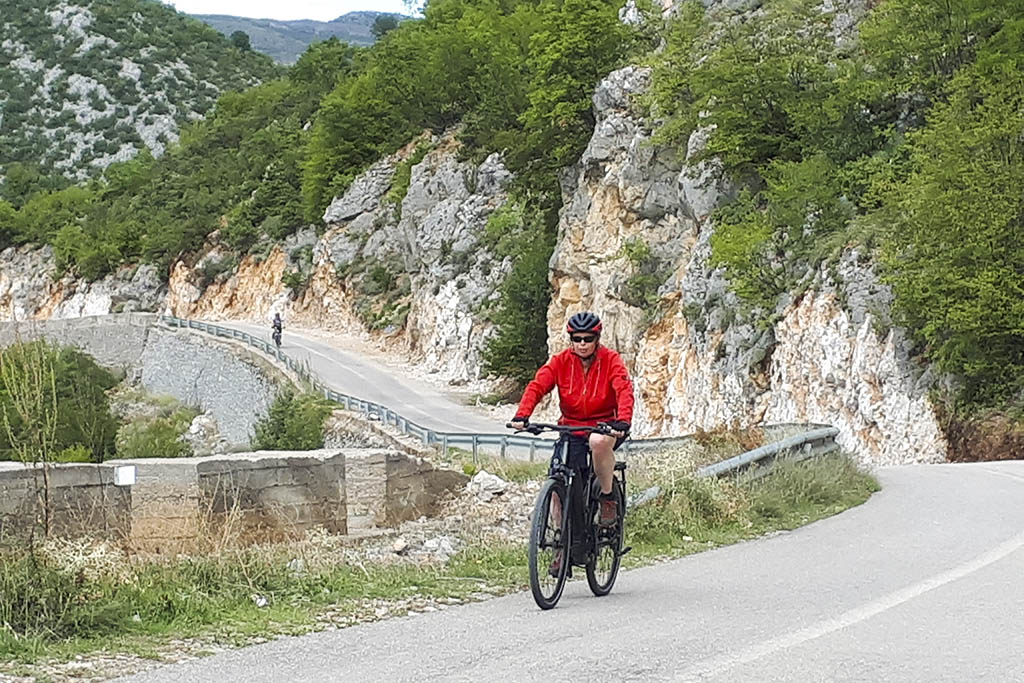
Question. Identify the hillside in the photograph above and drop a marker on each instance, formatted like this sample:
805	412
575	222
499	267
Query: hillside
284	41
87	83
787	212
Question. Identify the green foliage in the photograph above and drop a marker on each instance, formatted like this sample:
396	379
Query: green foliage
73	411
383	24
912	135
8	224
641	288
518	75
240	39
956	243
503	227
766	243
691	513
577	44
180	83
293	423
520	345
403	175
295	280
156	437
213	268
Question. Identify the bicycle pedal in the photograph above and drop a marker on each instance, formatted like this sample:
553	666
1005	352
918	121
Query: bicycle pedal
625	550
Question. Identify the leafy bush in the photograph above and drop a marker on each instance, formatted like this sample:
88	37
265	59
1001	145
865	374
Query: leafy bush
158	437
52	400
213	268
293	423
956	238
520	345
641	288
909	137
295	280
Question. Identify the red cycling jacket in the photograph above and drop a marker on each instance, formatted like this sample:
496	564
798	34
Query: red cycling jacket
603	393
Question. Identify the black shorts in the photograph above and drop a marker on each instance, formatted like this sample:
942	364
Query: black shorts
579	447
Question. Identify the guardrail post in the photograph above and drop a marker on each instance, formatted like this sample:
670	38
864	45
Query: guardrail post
504	443
533	449
475	449
444	445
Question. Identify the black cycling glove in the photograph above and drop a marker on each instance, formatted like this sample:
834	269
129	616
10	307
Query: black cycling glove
619	426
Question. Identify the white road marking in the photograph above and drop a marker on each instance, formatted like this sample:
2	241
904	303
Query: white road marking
717	665
333	361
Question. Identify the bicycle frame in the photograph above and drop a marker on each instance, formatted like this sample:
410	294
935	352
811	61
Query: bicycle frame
583	541
578	491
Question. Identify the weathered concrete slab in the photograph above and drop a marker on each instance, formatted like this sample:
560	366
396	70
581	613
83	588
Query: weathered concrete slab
187	504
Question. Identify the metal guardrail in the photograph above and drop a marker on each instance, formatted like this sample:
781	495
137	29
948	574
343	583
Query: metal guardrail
799	447
816	442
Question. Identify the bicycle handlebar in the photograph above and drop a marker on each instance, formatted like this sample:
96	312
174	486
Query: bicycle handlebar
540	427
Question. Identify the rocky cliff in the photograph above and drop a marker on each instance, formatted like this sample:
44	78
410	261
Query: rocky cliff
829	358
411	268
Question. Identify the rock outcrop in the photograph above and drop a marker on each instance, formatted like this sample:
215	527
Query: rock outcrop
697	362
29	290
412	268
414	272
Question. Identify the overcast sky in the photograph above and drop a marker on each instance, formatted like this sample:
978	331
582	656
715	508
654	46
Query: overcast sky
321	10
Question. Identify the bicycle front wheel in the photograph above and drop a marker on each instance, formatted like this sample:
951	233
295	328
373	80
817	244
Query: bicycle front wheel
603	565
549	544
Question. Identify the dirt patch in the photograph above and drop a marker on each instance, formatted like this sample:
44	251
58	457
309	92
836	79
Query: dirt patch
993	436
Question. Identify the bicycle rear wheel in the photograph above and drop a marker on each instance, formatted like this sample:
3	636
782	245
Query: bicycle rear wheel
603	566
549	536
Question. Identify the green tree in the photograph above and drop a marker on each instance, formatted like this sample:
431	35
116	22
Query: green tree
240	39
51	400
956	243
578	43
383	24
520	344
8	224
293	423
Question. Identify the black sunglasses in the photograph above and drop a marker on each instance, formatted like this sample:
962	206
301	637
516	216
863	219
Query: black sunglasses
582	340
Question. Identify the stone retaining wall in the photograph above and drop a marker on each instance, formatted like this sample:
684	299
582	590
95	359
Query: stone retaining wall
83	501
115	341
186	504
231	383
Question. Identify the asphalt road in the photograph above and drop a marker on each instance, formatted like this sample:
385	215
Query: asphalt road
921	583
366	378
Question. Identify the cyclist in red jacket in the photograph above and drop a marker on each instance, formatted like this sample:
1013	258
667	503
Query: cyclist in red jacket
593	386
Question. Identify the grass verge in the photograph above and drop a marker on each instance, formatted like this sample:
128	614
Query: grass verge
66	598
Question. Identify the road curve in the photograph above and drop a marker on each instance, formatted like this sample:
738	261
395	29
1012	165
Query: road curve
921	583
364	378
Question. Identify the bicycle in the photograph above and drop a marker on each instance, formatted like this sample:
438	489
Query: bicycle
556	545
276	335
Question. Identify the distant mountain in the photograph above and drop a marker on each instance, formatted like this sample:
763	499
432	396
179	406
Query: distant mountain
85	83
286	40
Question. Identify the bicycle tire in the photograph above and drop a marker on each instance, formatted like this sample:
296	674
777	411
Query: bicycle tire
601	582
546	591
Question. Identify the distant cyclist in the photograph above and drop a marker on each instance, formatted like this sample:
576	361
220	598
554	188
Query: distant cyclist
593	386
276	328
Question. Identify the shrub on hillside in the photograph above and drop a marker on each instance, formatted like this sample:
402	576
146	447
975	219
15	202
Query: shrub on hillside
294	423
53	399
159	437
